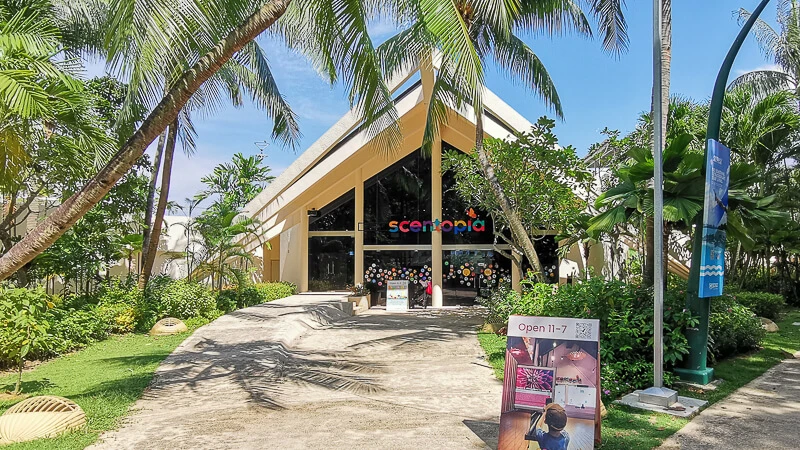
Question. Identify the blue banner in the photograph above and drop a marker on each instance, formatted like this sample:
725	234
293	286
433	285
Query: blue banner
715	219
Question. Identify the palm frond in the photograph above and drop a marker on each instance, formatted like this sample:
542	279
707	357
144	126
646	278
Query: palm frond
611	21
520	62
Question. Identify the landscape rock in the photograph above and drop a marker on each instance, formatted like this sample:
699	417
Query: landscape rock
769	325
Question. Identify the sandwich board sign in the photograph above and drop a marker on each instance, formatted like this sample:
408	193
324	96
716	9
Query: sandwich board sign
551	388
397	295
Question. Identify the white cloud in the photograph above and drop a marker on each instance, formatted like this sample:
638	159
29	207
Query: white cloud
381	29
771	67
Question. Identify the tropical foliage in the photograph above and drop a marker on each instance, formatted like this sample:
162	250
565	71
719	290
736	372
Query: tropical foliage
542	182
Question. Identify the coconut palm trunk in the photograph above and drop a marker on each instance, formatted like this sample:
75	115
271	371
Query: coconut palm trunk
155	234
666	63
57	223
520	234
151	194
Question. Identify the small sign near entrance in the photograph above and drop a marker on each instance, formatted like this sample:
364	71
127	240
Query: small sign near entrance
397	295
551	388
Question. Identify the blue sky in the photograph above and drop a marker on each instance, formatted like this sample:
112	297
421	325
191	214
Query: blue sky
597	90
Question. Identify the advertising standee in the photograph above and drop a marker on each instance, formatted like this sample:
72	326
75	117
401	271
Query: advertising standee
551	388
397	295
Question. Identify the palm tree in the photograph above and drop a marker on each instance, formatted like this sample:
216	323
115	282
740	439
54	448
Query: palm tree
465	34
782	46
40	94
339	43
666	64
758	128
247	73
223	251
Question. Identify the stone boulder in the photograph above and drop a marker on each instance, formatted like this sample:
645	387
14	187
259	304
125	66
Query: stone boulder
769	325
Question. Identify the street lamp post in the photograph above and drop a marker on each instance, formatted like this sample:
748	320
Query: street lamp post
695	369
658	203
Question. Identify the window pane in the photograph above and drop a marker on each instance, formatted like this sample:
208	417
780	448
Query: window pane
402	192
547	250
330	263
338	215
381	266
470	273
454	207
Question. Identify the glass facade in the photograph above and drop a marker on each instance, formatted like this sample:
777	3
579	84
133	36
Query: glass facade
331	255
402	192
468	274
454	207
383	265
339	215
331	262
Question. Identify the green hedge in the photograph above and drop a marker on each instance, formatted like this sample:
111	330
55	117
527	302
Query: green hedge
231	299
733	329
625	313
763	304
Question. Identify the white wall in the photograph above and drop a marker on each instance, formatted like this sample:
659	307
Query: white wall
291	258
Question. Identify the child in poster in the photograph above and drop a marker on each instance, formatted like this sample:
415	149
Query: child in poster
555	438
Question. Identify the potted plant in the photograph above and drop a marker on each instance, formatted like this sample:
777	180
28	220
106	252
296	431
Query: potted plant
359	296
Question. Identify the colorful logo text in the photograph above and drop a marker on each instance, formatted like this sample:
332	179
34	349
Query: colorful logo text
447	226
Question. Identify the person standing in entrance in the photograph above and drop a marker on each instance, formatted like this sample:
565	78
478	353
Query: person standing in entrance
428	292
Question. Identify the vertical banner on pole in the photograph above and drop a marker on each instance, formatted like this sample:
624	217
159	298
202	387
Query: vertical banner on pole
715	219
551	385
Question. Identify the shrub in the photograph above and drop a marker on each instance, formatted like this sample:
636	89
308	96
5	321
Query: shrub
275	291
76	328
249	296
117	305
227	300
625	313
185	299
231	299
23	326
120	318
733	329
763	304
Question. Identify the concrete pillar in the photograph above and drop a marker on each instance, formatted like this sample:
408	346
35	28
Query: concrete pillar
304	250
427	77
436	213
359	218
266	263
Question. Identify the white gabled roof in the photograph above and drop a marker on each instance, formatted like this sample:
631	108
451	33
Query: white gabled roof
345	138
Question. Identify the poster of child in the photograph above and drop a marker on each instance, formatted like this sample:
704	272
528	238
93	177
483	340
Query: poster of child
551	385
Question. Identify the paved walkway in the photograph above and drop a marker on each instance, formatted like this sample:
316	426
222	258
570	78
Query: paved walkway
764	414
299	373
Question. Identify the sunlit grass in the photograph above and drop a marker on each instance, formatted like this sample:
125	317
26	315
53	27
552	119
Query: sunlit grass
104	379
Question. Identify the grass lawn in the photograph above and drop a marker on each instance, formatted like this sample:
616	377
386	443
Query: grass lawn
104	379
629	429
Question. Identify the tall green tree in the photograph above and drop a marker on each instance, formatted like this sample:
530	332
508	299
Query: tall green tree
782	46
231	186
339	44
464	35
542	181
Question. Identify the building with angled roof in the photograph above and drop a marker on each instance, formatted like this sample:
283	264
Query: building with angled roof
344	213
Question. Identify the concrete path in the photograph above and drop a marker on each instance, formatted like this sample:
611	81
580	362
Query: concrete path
764	414
298	373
